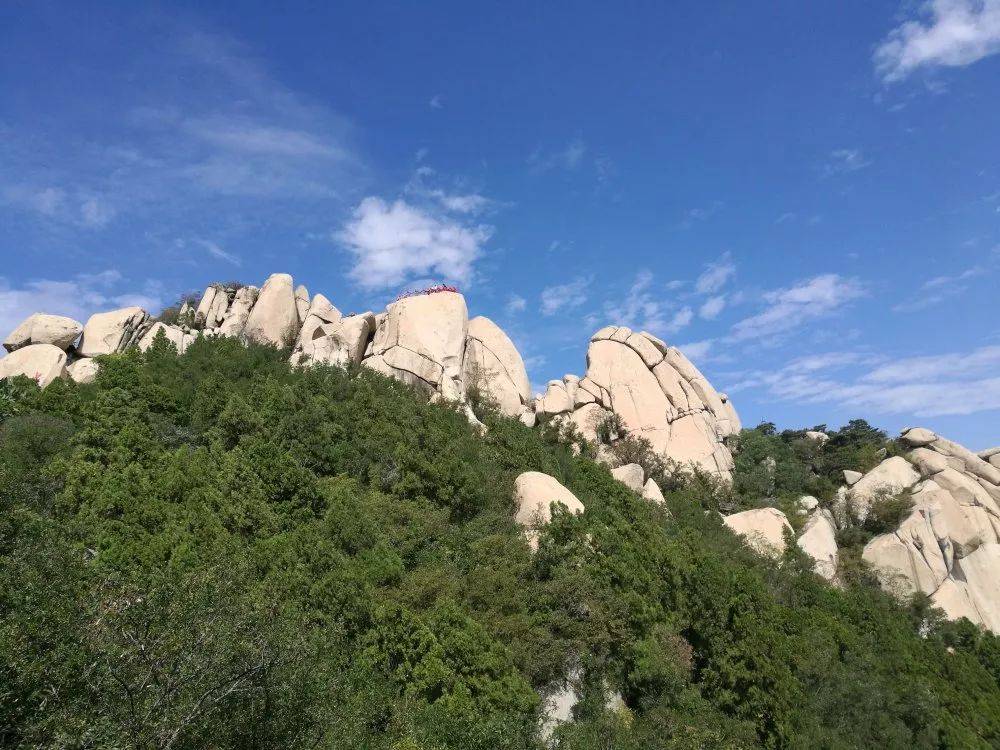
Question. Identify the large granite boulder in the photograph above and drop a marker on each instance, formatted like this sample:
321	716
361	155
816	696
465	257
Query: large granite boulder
274	319
421	340
342	343
236	316
84	370
534	495
175	335
763	529
40	328
43	363
493	365
111	332
818	539
656	392
321	312
889	477
947	545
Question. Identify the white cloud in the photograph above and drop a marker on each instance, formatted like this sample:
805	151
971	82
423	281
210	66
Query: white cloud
946	384
436	102
938	289
230	146
78	298
844	160
712	307
796	305
702	213
515	304
716	275
395	242
697	350
644	309
566	296
565	158
216	251
950	33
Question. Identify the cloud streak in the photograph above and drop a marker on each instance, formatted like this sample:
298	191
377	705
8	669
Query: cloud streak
948	33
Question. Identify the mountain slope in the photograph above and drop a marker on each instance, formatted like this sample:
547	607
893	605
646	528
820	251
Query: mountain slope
217	549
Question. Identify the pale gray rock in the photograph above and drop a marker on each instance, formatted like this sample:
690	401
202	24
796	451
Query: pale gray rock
493	364
175	335
534	495
274	319
817	437
301	302
111	332
343	343
83	370
851	477
238	314
555	401
763	529
42	363
631	475
916	437
889	477
819	540
651	491
41	328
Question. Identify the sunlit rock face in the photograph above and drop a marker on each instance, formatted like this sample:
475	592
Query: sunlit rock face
948	547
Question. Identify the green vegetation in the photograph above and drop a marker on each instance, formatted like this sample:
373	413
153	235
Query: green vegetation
216	550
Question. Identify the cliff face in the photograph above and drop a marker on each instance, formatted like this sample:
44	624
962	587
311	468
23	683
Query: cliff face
428	341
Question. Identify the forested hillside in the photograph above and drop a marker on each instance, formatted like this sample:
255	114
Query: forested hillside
221	550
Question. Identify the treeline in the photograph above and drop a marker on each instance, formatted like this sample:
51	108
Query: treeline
217	550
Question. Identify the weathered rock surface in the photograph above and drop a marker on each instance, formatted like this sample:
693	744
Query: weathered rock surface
83	370
274	319
111	332
534	495
631	475
40	328
819	540
947	547
342	343
493	364
889	477
421	340
43	363
178	337
657	393
763	529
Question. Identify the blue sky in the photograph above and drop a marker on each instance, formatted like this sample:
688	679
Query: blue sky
806	196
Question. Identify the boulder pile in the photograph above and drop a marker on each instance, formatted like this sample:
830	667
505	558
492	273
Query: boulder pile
656	392
948	547
426	340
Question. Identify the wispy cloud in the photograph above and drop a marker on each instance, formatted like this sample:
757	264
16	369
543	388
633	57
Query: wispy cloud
794	306
216	251
700	213
844	161
515	304
712	307
716	275
946	33
940	288
231	146
563	297
436	102
644	308
77	297
568	157
945	384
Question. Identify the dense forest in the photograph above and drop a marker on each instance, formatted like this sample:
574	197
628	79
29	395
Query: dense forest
220	550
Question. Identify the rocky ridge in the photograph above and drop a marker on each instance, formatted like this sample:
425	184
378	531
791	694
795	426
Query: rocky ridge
426	340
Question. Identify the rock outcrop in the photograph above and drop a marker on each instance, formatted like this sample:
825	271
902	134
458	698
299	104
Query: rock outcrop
111	332
534	495
274	319
657	393
43	363
493	365
948	545
818	539
763	529
40	328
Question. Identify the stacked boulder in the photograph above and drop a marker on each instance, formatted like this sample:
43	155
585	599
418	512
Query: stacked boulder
948	547
765	530
657	393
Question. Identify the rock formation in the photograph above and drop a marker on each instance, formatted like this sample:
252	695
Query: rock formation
948	546
534	495
43	363
763	529
40	328
657	393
